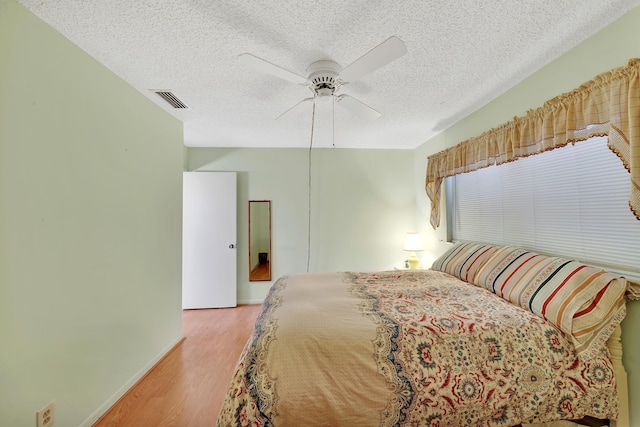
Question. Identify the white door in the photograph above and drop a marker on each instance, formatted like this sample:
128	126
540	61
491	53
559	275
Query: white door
209	240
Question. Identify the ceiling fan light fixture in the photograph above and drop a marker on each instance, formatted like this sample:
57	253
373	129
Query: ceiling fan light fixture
323	77
324	91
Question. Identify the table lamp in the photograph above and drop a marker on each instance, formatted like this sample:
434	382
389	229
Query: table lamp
413	244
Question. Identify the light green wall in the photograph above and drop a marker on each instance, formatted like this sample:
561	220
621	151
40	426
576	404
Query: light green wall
362	204
90	227
610	48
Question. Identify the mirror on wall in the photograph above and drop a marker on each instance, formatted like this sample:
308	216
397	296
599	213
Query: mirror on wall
259	240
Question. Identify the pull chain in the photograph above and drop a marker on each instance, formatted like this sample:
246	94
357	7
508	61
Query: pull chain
333	122
313	119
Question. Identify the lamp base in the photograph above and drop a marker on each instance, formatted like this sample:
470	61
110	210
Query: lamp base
413	261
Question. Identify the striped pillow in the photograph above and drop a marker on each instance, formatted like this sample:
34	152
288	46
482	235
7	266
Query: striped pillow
465	260
585	302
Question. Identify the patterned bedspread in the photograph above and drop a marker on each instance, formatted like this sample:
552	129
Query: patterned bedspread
408	348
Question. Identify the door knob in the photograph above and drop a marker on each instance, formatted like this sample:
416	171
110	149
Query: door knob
232	246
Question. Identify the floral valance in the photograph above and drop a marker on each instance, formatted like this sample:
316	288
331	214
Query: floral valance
607	105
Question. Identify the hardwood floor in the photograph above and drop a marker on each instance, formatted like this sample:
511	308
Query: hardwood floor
188	386
261	272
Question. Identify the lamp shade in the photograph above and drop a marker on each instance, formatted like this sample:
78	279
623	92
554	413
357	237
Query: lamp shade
412	242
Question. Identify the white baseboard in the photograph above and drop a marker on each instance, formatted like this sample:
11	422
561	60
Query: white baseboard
250	301
128	385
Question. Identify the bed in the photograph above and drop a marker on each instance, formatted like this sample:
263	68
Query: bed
490	336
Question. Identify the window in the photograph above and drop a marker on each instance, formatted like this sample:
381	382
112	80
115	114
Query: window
571	201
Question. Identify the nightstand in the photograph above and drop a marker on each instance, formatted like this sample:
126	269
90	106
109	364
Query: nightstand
404	266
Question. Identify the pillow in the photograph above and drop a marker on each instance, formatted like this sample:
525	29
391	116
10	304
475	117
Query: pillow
465	260
586	303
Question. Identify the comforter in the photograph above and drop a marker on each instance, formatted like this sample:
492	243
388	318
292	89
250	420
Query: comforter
408	348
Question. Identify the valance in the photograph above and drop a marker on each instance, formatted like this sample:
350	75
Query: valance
608	105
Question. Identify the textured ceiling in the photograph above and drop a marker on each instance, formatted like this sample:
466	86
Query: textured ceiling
461	55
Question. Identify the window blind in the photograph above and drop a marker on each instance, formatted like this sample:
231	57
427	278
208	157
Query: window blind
571	202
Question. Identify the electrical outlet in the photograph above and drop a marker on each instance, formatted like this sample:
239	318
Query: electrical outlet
45	417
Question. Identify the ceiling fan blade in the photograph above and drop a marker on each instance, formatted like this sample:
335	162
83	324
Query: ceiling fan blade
357	107
295	107
387	51
269	68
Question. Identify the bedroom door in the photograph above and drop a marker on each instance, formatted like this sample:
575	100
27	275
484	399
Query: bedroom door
209	240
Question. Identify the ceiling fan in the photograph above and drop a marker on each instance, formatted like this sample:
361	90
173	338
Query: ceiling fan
326	77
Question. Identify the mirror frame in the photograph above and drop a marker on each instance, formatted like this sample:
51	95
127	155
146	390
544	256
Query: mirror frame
260	276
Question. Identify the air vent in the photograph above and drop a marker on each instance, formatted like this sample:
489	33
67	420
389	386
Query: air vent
171	98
